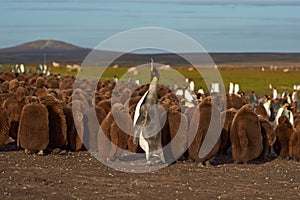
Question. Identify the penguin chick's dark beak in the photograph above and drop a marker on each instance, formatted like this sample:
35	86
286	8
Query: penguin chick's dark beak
154	78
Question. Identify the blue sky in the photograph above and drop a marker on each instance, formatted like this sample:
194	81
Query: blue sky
218	25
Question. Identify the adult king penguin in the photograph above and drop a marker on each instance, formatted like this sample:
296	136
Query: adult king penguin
146	121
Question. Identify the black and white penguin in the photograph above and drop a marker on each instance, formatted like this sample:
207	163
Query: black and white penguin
147	128
285	110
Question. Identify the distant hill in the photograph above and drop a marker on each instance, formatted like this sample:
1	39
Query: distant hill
46	45
34	53
37	52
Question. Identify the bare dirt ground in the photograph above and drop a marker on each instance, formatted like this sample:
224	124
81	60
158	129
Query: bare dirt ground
80	176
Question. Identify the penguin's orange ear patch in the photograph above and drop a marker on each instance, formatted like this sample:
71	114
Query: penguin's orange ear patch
154	79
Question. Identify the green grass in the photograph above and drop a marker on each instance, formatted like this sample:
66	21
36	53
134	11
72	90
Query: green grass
259	81
249	79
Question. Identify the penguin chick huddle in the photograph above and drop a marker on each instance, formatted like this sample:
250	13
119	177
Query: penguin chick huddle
46	114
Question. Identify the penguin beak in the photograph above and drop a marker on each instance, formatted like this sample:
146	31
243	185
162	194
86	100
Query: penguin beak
151	65
154	73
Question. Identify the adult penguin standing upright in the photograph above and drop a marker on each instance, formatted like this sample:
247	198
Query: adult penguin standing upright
146	121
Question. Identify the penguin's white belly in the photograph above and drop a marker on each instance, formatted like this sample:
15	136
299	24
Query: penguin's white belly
279	113
144	144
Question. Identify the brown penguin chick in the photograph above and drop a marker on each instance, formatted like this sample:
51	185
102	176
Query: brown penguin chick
74	143
107	95
142	90
109	84
245	100
62	97
74	139
168	100
171	97
295	139
226	121
32	82
102	91
21	94
14	105
165	134
268	135
120	130
104	140
135	93
22	77
91	129
13	85
125	95
33	132
100	85
162	91
5	87
297	122
297	115
178	127
246	138
228	102
189	112
134	100
166	104
283	131
105	105
100	113
260	110
4	96
68	93
8	76
294	145
57	122
200	124
66	83
237	102
80	95
98	97
23	84
53	82
40	89
4	126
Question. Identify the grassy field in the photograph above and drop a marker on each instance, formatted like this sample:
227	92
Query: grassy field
249	79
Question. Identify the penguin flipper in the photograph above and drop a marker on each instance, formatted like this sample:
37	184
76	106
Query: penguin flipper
136	136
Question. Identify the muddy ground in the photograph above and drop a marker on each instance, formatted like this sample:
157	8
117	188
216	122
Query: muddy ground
80	176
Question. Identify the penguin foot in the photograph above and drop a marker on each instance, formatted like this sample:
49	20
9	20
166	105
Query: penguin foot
56	151
156	160
152	161
63	152
284	157
28	152
147	163
237	162
208	164
200	165
112	159
40	153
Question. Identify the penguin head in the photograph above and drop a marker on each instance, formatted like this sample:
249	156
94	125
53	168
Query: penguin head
154	74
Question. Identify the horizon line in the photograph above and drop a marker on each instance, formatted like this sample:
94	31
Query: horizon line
155	53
